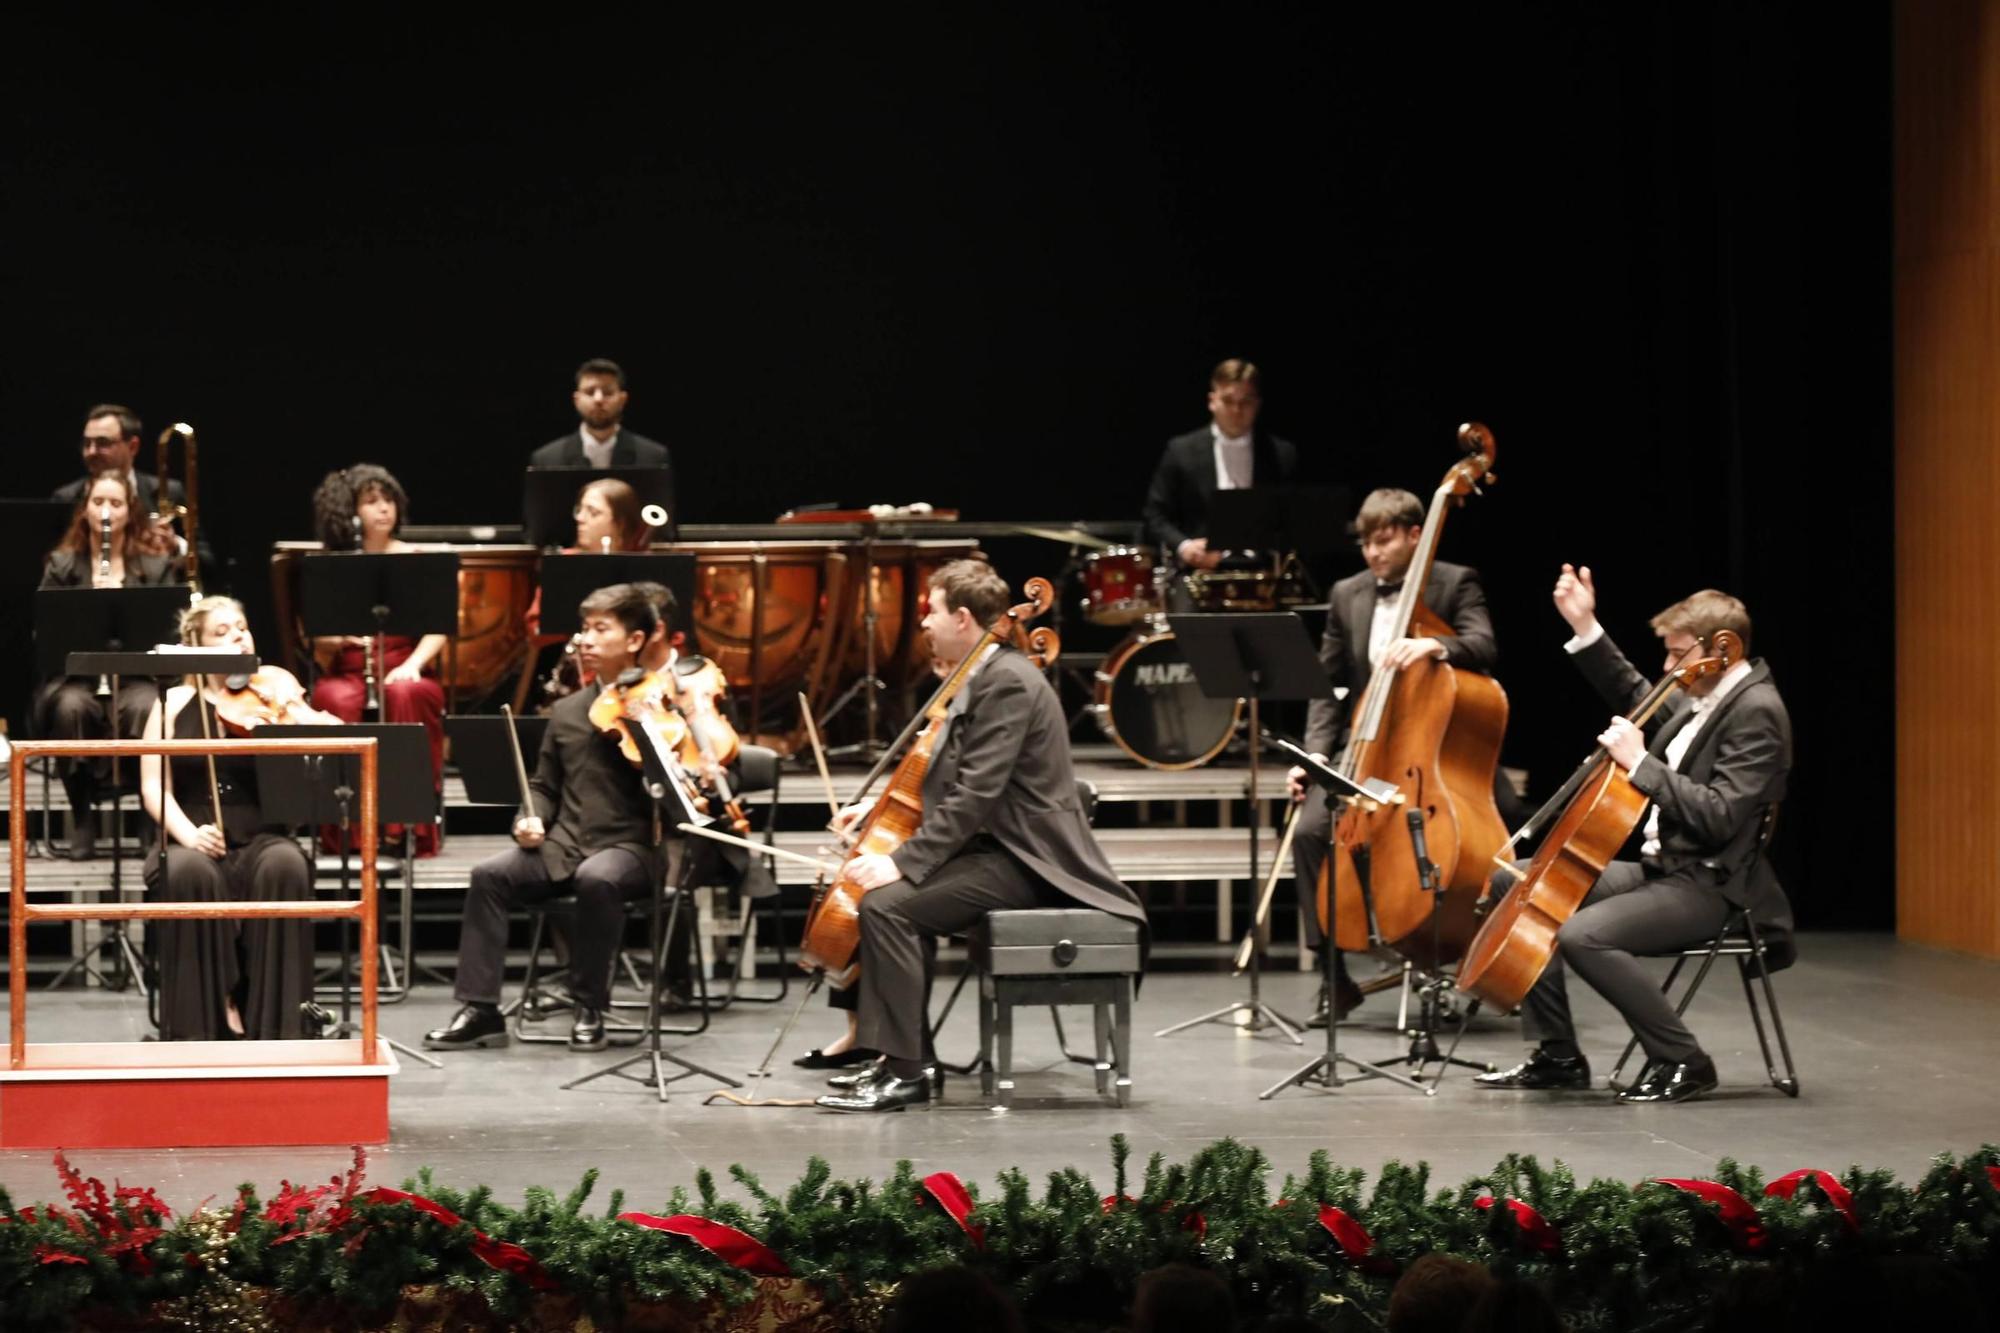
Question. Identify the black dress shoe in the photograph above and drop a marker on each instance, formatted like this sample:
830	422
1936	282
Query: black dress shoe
587	1032
471	1027
861	1077
887	1093
1540	1071
847	1059
83	837
1347	997
1674	1083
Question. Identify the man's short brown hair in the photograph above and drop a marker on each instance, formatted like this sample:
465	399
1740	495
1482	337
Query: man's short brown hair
128	420
624	603
1388	508
1237	371
598	365
972	585
1702	614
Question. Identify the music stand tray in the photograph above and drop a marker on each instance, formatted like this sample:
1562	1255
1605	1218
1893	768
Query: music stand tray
568	579
1306	521
1255	655
347	592
548	498
113	620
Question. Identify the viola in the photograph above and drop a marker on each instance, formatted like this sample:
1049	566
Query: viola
658	739
1599	807
1433	732
833	923
699	688
270	696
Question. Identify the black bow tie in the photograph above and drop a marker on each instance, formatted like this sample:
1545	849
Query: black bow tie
1387	590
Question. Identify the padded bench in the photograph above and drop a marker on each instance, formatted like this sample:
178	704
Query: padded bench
1055	956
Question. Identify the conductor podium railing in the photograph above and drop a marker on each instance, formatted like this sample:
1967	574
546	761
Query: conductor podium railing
195	1093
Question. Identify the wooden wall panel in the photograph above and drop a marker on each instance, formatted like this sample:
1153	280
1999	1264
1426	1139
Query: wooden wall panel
1947	421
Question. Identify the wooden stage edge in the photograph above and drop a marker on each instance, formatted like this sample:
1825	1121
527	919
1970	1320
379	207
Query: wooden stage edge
200	1094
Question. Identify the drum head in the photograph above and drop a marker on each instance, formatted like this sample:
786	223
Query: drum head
1152	708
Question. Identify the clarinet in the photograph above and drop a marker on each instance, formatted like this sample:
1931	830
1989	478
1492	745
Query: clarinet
104	542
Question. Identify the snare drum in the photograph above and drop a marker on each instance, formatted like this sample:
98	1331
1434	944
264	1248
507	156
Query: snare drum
1233	589
1118	586
1148	704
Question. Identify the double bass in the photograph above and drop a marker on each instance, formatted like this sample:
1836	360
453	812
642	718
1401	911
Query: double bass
833	926
1433	732
1599	807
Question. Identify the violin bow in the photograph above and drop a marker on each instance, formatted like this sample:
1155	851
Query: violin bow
1278	864
520	764
819	757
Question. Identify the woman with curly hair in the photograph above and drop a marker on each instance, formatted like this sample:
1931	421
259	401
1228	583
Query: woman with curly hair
362	508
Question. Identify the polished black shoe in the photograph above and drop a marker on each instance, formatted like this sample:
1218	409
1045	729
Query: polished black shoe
587	1032
471	1027
887	1093
83	837
861	1077
1674	1083
1539	1072
1347	997
847	1059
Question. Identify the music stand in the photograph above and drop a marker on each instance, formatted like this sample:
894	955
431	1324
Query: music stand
548	498
1301	520
28	528
568	579
1255	655
313	790
1326	1066
411	593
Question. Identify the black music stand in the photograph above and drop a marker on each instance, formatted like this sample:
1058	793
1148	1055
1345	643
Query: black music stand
165	667
548	499
412	593
315	789
568	579
1303	520
1255	655
1326	1066
28	528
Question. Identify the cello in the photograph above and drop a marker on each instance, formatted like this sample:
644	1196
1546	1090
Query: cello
1599	807
833	924
1432	732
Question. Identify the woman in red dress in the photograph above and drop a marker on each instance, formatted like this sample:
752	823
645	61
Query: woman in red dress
362	508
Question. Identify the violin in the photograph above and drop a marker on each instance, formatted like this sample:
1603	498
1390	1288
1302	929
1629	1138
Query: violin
660	741
270	696
833	923
1588	820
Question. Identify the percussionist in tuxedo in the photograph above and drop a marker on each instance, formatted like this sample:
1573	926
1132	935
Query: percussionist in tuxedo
601	439
1717	757
1002	827
1228	454
1361	613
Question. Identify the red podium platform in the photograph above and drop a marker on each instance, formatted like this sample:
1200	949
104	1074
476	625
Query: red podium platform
196	1094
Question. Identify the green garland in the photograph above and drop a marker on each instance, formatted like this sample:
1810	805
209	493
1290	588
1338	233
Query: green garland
338	1255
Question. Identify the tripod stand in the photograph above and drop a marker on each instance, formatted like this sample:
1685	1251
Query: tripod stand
869	685
1257	656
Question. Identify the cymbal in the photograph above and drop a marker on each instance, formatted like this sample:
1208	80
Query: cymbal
1070	536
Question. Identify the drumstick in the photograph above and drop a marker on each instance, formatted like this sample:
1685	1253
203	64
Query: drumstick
782	853
1270	888
819	756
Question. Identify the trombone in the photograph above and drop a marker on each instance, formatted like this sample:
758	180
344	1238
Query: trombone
190	513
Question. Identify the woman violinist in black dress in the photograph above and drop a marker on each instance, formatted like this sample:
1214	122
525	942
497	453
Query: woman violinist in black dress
225	978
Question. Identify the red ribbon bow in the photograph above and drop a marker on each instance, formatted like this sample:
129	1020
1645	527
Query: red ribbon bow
1534	1228
1784	1187
501	1254
1736	1212
739	1249
952	1196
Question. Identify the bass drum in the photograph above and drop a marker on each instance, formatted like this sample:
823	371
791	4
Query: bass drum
1148	704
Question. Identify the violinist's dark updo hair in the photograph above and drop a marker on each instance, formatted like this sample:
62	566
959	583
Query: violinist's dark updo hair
340	495
627	603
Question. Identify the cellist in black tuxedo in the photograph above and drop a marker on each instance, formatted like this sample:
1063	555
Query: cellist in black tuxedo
1714	760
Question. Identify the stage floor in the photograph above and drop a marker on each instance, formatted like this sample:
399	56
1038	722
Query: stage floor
1894	1045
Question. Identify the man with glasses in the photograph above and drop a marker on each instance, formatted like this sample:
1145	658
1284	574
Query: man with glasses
1360	620
111	440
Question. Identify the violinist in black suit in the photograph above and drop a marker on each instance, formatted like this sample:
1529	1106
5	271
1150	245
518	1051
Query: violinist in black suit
1715	759
590	833
1002	827
1360	616
1229	453
601	439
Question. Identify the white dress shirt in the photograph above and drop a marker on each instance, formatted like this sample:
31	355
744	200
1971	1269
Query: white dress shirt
1233	467
595	453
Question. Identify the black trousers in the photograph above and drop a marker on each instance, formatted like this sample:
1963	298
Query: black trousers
603	884
265	966
900	924
69	709
1628	912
